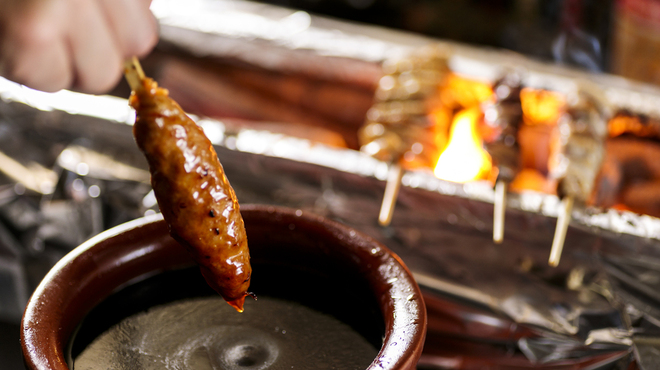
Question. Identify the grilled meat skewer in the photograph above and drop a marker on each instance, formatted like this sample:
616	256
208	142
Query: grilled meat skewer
578	152
397	126
193	193
503	118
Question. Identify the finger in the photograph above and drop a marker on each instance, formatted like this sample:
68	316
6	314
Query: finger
96	58
47	68
133	26
34	51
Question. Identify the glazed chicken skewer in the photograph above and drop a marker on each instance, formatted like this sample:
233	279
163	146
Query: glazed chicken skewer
193	193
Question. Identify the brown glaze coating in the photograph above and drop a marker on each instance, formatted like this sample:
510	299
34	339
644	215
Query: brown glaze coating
193	193
143	247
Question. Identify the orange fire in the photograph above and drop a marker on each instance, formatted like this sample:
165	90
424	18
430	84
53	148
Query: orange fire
541	107
464	92
623	123
464	158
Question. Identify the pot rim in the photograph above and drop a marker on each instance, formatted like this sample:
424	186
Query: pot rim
45	329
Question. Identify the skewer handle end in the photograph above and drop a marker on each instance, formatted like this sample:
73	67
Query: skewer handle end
563	219
499	211
391	193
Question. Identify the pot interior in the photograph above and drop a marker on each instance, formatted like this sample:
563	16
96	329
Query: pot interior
333	314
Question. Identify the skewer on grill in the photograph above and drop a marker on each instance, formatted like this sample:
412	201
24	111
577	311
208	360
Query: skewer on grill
578	152
504	117
397	125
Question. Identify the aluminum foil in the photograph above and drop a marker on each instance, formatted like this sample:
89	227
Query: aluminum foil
594	303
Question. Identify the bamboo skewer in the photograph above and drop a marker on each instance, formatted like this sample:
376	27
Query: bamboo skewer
499	211
563	219
391	193
133	73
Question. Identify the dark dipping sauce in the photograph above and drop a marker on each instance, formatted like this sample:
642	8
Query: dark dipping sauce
173	320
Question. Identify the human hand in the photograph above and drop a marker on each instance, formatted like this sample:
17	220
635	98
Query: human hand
77	44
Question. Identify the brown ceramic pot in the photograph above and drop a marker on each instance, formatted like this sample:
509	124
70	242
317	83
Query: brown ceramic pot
361	269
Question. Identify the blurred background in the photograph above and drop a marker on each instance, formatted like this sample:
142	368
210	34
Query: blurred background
612	36
580	33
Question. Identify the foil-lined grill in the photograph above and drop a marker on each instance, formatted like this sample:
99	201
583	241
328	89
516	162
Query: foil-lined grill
432	240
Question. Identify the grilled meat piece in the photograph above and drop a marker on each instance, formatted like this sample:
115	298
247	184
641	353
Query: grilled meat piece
503	118
578	147
397	124
193	193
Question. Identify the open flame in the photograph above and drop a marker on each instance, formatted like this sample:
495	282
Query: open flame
541	107
464	158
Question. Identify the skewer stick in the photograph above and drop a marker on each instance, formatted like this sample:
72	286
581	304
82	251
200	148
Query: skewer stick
133	73
391	193
563	219
499	211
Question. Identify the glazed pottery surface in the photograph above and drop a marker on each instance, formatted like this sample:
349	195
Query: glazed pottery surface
361	272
